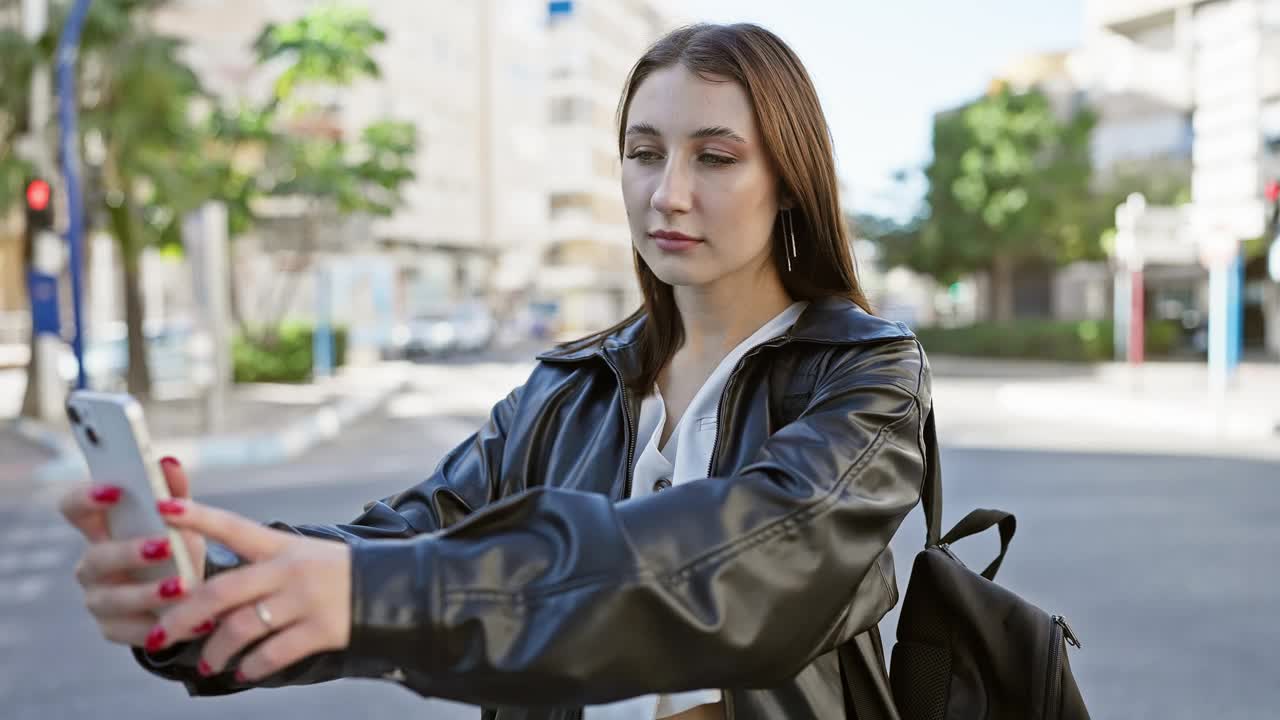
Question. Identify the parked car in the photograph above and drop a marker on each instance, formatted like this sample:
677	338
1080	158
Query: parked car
106	357
465	328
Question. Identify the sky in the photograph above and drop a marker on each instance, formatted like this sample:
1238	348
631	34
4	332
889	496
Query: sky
884	67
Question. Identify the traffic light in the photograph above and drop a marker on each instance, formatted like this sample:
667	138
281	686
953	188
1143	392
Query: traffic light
39	204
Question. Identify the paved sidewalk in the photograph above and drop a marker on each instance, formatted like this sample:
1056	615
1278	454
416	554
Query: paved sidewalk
264	423
1169	401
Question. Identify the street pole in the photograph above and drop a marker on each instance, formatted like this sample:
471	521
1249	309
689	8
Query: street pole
322	335
1226	274
1137	317
205	241
68	50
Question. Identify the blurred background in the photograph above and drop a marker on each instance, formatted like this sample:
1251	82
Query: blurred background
318	240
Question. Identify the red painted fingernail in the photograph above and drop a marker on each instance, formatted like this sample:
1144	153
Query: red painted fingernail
155	550
203	668
170	507
105	493
240	677
155	639
170	461
171	588
204	628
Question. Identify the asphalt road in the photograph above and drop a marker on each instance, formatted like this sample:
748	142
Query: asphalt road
1165	567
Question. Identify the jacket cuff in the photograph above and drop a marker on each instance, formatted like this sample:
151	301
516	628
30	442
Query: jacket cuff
177	663
393	598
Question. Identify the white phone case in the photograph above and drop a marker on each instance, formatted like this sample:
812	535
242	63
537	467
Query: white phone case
112	435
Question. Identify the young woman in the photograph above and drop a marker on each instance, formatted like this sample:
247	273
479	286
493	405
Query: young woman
683	516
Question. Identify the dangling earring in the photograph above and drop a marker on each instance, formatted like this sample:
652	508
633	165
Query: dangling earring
789	232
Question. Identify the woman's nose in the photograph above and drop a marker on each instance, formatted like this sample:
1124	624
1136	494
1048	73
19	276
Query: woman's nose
674	193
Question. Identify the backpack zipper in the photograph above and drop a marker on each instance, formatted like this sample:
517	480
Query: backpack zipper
1054	680
1067	632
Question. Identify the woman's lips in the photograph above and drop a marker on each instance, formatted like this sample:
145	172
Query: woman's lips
672	241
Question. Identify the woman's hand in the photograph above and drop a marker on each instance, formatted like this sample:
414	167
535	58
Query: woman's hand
124	608
294	589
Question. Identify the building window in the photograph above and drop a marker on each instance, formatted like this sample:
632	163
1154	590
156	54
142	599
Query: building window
568	110
562	202
559	8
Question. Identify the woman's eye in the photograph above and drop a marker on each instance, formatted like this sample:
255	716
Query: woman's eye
644	156
713	159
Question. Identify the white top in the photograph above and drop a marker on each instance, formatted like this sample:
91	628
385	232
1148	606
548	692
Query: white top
684	459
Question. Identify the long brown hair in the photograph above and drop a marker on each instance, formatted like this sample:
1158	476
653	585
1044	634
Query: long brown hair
797	141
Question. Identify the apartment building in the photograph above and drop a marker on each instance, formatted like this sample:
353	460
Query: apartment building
1218	61
470	77
589	272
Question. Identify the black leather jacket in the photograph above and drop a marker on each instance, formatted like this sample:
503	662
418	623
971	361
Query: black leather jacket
515	579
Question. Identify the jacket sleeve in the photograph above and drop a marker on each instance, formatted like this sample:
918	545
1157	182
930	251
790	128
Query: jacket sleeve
468	477
562	597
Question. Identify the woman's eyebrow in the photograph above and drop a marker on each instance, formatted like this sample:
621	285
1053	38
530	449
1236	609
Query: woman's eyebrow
717	131
714	131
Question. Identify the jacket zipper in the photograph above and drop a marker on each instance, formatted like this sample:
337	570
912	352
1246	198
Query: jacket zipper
631	428
725	693
728	385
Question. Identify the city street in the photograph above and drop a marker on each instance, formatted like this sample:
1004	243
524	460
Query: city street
1163	564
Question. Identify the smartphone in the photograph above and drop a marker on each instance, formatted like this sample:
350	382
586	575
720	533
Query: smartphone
112	435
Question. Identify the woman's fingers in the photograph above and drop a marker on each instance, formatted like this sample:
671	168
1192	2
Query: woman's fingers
280	651
131	630
109	558
85	507
243	536
243	626
218	598
176	477
110	602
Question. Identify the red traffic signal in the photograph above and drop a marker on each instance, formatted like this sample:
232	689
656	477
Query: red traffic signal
1273	191
38	195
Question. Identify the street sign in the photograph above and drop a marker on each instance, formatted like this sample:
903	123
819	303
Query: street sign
43	290
1218	247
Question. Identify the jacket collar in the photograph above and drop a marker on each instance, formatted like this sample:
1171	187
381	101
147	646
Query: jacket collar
831	321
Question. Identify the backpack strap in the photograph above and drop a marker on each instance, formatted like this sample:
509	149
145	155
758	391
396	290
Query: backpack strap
869	696
979	520
931	490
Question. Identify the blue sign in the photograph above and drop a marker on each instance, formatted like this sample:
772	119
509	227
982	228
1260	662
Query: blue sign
44	303
559	7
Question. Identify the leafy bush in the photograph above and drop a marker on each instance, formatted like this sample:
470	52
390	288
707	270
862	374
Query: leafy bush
284	356
1085	341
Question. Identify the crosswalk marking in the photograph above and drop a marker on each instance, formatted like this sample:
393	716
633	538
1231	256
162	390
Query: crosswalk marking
12	561
22	590
36	534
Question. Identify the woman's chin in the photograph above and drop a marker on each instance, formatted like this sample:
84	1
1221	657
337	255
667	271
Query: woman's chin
678	276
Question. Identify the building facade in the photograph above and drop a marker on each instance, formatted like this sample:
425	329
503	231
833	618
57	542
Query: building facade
1219	63
470	77
589	271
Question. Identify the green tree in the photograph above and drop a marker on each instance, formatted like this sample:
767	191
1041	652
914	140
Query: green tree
303	156
134	100
1008	183
20	57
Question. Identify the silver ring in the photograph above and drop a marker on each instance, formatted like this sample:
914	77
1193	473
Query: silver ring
263	614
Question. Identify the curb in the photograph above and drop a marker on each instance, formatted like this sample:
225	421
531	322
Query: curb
66	461
1052	402
222	451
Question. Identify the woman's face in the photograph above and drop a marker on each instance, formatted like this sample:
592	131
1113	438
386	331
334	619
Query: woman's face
701	196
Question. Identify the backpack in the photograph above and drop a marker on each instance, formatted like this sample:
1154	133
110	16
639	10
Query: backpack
968	649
